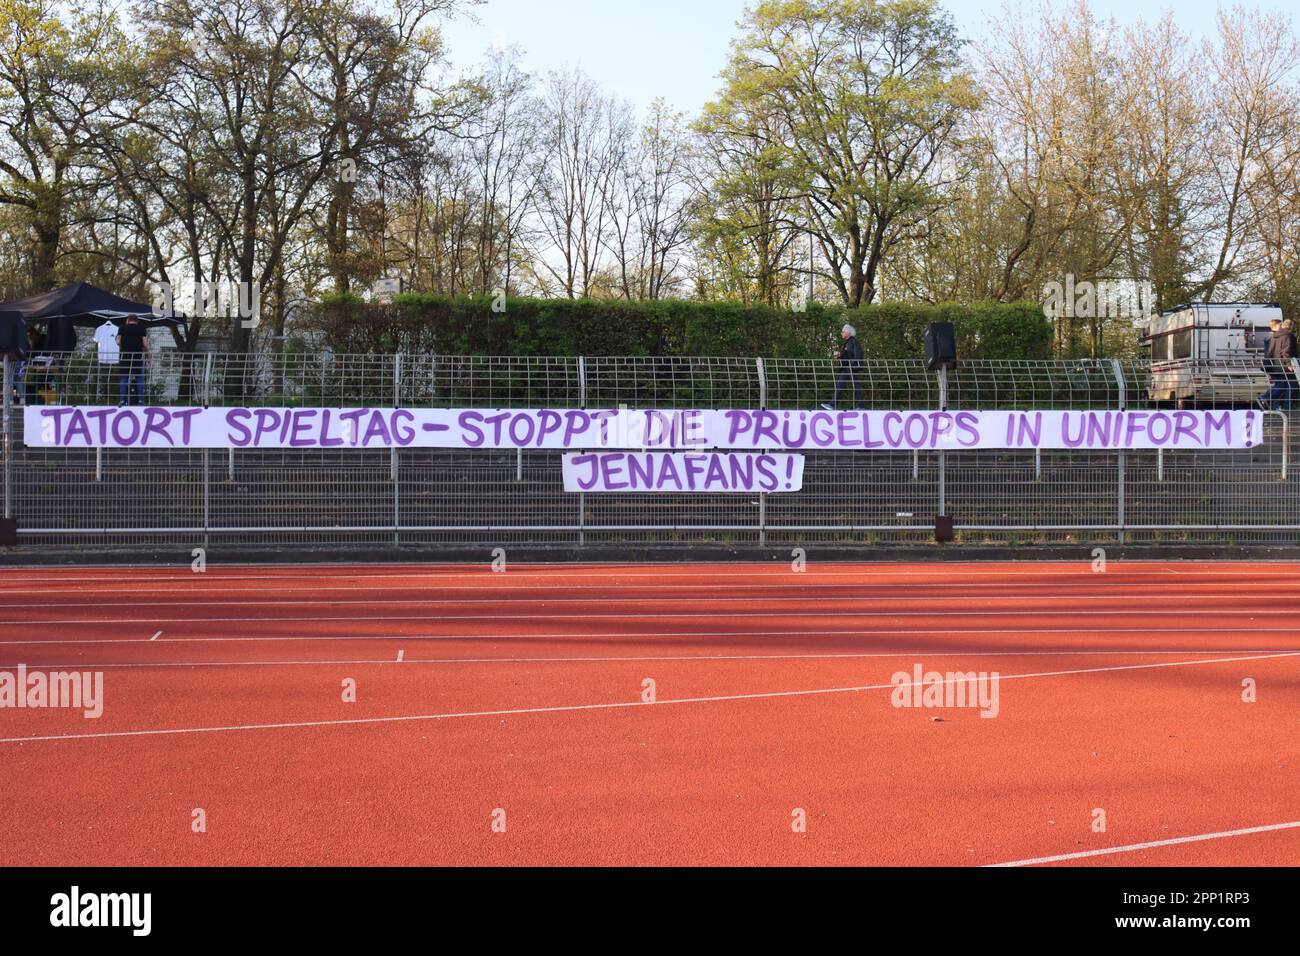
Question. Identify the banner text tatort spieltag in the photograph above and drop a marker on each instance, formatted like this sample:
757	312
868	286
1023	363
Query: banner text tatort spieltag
689	430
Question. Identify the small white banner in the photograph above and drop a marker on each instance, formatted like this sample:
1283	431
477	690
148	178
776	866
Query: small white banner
623	471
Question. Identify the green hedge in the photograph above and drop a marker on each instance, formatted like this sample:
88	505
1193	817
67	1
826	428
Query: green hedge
468	326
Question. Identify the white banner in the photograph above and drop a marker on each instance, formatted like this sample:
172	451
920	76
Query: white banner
66	426
710	471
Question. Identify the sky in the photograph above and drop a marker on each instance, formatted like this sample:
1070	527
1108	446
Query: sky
642	49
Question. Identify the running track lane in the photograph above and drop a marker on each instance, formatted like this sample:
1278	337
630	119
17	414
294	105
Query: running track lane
535	677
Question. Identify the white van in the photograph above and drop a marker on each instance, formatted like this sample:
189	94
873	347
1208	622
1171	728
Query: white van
1210	353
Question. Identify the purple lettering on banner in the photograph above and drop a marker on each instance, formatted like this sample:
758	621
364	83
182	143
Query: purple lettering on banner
914	440
497	422
1159	420
892	439
602	419
940	425
611	471
186	417
56	415
156	421
235	422
668	472
1098	430
378	428
700	472
1032	432
1071	442
1137	422
302	423
845	425
658	429
765	423
268	421
325	440
548	423
100	417
126	415
691	425
403	435
1185	424
583	461
77	426
522	437
571	427
640	473
797	437
469	422
966	423
822	437
697	431
738	422
1222	423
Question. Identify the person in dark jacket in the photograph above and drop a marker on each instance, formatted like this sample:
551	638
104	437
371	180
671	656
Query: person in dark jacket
133	340
850	367
1287	352
1280	351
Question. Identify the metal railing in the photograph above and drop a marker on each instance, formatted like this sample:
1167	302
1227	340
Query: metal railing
426	497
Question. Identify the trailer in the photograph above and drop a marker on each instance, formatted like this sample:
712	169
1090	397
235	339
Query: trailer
1210	354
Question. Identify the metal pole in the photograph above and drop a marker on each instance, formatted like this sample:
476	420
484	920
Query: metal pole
943	407
393	471
99	464
207	495
762	382
7	415
1119	477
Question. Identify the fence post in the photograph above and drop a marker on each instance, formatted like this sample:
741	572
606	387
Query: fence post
8	437
943	407
393	474
762	496
1119	477
582	403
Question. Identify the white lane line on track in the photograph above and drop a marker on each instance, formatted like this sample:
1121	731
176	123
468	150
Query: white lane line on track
616	705
706	600
1133	847
643	658
659	635
579	617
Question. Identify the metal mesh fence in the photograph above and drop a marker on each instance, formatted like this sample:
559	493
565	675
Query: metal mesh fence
415	497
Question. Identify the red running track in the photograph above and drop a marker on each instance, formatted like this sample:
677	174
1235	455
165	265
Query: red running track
484	697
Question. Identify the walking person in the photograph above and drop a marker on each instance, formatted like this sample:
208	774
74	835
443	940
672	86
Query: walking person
850	367
1277	363
133	340
1287	352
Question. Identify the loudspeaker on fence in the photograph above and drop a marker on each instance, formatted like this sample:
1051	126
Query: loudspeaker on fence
940	346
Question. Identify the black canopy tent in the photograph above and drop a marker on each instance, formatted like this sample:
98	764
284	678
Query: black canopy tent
13	333
80	304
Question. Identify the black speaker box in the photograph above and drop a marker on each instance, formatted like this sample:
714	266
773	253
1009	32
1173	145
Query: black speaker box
940	346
